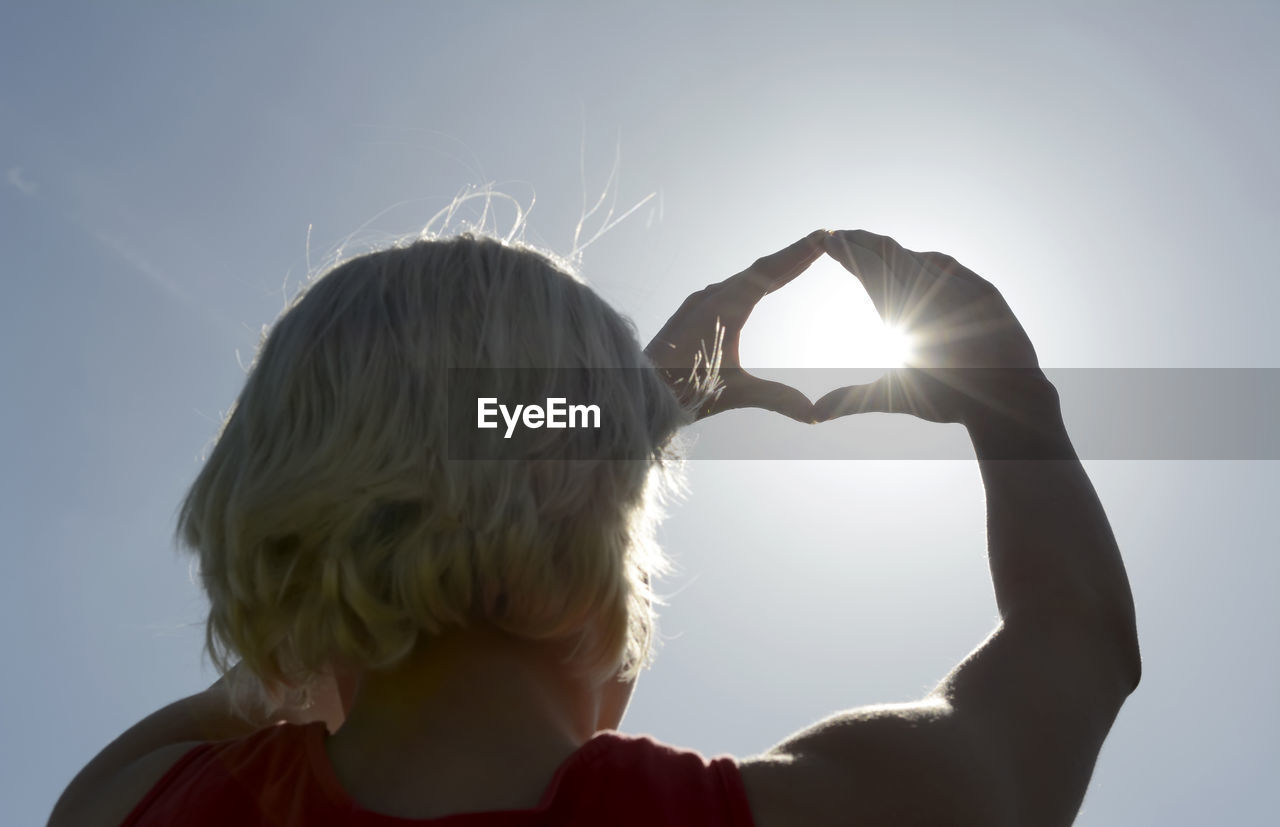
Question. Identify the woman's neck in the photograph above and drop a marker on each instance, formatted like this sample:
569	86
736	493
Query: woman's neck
474	721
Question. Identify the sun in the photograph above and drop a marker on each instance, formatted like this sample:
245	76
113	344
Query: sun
896	346
823	320
880	346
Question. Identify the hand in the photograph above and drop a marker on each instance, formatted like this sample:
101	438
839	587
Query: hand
711	320
970	354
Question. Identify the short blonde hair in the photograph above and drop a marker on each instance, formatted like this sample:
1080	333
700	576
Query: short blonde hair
329	522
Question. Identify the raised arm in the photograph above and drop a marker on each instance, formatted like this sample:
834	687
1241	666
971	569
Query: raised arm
1010	737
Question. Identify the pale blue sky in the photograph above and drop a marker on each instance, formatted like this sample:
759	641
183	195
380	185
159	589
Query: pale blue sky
1111	167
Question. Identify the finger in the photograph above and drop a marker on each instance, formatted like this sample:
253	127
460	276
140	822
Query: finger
875	260
747	391
882	246
874	397
771	272
946	265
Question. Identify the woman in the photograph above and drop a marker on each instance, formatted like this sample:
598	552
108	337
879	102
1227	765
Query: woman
464	630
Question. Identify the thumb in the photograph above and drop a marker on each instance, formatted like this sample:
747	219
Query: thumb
873	397
747	391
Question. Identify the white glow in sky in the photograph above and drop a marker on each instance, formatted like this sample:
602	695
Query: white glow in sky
1110	166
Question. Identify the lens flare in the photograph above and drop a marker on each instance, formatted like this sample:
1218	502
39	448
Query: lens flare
876	346
896	346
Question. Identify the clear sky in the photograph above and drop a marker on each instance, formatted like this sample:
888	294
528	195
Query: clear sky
1111	166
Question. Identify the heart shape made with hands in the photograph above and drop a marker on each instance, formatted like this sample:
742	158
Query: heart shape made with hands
967	357
711	320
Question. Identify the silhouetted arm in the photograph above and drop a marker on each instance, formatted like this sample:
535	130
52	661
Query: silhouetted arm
1044	689
1011	735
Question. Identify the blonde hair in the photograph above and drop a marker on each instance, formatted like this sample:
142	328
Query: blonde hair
329	521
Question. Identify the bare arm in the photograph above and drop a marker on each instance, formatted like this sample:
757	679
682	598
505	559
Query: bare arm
1044	689
1010	737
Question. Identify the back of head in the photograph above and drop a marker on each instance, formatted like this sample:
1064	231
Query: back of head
331	523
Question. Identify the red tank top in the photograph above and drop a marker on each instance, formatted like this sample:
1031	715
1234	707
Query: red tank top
281	776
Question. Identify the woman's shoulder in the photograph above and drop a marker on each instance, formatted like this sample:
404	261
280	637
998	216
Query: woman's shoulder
656	782
110	799
117	798
632	749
